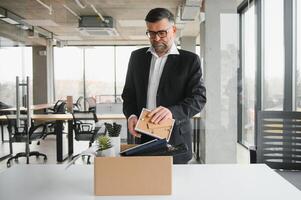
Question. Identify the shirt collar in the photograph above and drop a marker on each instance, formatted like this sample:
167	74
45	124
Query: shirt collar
172	50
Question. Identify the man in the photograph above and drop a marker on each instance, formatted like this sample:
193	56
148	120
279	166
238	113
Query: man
166	80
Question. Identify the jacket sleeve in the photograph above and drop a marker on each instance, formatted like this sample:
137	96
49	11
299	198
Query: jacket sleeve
195	95
129	91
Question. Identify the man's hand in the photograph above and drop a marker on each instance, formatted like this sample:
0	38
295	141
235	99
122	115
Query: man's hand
132	121
160	114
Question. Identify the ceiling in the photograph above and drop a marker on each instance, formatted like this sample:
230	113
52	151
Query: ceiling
129	16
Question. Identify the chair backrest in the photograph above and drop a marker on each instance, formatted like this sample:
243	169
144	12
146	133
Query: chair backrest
19	134
84	115
279	139
61	109
57	104
82	120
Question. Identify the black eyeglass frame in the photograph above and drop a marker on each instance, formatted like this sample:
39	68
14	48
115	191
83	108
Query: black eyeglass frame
160	33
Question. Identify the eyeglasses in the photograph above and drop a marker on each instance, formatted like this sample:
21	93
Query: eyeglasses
161	33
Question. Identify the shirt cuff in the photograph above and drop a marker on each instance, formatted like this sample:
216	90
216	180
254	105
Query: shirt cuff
132	117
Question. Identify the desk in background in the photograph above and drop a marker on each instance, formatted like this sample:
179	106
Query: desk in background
33	107
191	182
59	119
3	118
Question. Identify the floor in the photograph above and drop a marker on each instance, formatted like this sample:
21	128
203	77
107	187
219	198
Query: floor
48	146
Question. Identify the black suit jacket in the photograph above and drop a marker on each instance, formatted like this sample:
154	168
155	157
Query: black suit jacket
181	90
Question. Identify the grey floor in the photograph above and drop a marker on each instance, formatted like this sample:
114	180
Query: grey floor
48	147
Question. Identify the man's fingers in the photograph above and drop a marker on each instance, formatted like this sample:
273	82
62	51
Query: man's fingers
159	116
154	111
131	125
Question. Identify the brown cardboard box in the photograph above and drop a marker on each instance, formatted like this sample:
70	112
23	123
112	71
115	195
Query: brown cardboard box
149	175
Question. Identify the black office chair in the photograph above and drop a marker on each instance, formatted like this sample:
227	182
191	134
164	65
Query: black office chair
279	139
20	134
84	126
59	108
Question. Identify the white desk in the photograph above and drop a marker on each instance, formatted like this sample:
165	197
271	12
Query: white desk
190	182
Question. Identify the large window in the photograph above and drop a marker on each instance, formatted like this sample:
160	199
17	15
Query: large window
273	54
248	70
99	71
91	71
15	61
68	65
267	67
123	54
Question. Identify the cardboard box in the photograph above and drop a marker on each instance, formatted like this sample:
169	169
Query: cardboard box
148	175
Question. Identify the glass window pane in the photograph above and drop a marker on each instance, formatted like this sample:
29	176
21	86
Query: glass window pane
248	75
68	72
15	61
99	73
123	54
298	54
273	55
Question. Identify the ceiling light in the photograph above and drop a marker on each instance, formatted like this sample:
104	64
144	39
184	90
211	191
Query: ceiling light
2	12
10	21
9	17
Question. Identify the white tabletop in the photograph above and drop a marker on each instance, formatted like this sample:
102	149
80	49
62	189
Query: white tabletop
201	182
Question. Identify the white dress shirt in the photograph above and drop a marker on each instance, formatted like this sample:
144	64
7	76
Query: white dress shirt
156	69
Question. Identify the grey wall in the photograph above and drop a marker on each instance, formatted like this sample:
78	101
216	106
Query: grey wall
220	65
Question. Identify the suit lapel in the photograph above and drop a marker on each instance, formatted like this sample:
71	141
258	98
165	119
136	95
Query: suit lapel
169	66
145	74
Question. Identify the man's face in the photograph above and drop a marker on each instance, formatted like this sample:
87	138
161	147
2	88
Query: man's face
162	28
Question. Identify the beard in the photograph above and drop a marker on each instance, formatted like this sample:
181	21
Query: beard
160	47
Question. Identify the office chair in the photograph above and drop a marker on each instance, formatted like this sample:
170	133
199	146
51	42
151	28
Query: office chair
85	129
59	108
21	134
279	139
3	122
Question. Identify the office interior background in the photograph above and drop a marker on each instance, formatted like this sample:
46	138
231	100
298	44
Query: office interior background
250	53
